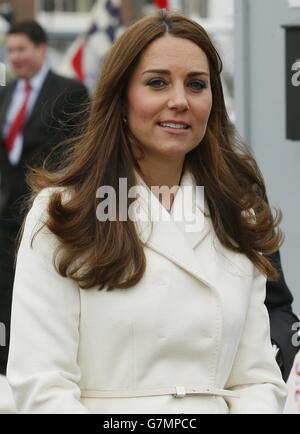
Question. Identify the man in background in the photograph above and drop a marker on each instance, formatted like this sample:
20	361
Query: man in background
37	111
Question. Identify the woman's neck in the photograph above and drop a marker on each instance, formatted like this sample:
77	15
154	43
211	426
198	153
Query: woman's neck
162	174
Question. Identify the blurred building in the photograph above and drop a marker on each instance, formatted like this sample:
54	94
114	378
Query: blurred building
33	7
15	10
66	20
63	20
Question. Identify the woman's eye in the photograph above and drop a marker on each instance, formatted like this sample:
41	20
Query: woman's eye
156	83
197	84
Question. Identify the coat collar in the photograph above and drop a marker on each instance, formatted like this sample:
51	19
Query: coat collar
190	211
175	234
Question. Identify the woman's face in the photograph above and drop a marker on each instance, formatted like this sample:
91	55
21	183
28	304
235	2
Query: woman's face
169	98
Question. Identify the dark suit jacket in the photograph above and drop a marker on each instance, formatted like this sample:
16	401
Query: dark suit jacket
279	304
56	116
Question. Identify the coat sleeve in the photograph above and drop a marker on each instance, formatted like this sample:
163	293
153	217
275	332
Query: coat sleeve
255	374
42	366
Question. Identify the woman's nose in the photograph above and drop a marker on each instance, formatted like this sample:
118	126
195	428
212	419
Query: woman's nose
178	99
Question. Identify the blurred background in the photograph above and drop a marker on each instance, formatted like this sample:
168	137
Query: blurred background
259	42
67	20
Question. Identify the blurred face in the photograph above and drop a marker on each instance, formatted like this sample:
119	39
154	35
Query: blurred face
25	57
169	98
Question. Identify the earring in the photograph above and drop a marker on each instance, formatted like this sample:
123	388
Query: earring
125	120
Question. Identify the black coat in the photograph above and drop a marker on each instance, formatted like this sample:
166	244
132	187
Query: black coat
279	304
56	116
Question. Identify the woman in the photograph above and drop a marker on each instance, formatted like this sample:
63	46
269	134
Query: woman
160	308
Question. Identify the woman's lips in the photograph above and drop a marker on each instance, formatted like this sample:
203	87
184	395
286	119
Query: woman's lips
174	128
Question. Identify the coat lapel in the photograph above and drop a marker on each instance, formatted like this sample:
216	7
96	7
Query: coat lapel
190	212
4	105
42	98
6	95
174	235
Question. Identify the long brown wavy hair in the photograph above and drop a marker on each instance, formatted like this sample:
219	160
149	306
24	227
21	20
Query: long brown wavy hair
110	254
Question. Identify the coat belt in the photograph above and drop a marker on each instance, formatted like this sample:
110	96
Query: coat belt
176	391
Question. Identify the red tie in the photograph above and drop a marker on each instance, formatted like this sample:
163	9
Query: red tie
17	124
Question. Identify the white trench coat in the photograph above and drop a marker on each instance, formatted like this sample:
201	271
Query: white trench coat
191	337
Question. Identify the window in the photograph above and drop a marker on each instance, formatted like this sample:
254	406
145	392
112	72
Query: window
64	5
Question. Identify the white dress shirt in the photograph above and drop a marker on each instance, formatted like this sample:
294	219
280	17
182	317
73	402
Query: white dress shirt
17	100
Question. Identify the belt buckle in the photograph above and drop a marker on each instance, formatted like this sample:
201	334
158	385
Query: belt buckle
179	392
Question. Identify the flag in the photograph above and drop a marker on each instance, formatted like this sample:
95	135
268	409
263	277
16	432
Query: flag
85	56
162	4
168	4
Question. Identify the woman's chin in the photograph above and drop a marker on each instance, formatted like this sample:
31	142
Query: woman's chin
176	152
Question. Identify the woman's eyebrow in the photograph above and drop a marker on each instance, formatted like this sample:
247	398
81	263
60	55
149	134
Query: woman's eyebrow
166	71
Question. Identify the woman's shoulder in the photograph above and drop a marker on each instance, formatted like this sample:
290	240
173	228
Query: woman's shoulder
47	193
42	199
38	214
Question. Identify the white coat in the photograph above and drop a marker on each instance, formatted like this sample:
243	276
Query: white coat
191	337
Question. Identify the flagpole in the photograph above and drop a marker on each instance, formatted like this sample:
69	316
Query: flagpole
170	4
